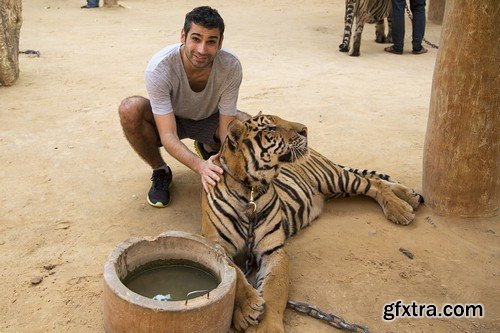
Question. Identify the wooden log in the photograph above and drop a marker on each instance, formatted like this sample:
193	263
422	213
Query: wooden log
10	28
461	166
435	12
110	3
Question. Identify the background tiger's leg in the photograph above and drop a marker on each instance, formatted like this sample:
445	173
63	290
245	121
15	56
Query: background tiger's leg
380	31
273	283
357	37
348	21
388	39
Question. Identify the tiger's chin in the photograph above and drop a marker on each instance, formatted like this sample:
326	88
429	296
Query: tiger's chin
294	154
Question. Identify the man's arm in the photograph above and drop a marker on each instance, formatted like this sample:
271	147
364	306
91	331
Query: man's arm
224	122
167	129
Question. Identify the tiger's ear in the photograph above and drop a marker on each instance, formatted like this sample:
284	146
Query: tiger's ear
234	132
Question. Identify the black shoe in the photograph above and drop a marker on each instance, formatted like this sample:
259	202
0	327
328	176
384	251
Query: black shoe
202	152
87	6
159	195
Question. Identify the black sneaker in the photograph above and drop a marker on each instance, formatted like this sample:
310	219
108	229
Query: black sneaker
159	195
202	152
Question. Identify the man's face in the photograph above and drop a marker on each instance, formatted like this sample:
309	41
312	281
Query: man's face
201	45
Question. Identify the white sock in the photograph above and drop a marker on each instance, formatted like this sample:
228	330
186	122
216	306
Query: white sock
164	167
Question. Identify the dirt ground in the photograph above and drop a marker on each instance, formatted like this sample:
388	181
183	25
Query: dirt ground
72	188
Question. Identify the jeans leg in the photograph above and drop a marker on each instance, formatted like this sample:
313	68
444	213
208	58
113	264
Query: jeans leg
93	3
417	8
398	24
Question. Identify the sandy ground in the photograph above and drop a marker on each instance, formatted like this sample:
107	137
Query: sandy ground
72	188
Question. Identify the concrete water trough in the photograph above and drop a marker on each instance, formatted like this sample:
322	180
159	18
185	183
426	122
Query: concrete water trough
127	311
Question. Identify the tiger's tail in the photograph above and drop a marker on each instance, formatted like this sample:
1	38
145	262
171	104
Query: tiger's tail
350	7
370	173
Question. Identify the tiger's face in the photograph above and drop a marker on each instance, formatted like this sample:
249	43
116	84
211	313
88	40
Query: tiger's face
262	143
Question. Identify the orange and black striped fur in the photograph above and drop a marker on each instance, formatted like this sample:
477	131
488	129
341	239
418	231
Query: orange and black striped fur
366	11
273	186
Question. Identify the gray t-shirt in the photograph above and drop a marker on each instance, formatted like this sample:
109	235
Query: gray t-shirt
169	91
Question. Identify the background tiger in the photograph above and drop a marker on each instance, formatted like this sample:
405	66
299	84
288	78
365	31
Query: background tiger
366	11
272	187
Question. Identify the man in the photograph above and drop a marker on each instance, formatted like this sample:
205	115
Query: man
193	89
417	8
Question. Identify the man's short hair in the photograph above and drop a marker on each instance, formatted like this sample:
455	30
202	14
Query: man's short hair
205	16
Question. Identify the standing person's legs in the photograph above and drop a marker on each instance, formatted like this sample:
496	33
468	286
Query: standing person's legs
417	8
398	24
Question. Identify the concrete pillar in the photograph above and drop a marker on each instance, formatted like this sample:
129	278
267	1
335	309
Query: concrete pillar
435	12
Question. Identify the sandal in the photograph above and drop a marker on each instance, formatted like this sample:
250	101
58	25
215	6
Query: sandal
421	51
391	49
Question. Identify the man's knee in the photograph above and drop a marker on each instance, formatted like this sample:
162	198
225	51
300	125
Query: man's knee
242	116
132	109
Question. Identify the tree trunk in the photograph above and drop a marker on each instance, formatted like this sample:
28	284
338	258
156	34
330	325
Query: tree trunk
110	3
461	167
10	28
435	12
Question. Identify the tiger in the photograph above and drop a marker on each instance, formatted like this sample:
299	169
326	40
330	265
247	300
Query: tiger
273	186
366	11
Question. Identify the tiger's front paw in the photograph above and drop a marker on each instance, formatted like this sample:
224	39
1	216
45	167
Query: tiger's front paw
399	211
248	309
408	195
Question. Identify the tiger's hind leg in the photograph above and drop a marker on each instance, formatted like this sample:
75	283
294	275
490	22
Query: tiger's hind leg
380	32
396	200
404	193
388	39
356	45
380	36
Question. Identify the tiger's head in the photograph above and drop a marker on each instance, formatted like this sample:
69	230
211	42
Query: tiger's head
254	149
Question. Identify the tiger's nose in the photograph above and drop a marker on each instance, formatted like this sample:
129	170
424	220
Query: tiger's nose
303	131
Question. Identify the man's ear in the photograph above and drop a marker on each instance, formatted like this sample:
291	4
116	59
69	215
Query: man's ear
183	36
234	132
220	41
